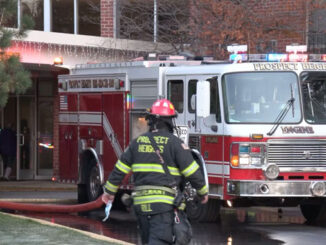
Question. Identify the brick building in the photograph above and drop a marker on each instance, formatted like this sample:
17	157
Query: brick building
78	31
81	32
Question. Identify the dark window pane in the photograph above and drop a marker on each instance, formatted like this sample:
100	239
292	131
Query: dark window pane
317	29
313	86
215	101
10	15
63	16
89	17
34	9
135	19
175	94
191	91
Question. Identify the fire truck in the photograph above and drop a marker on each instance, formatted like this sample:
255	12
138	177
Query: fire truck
256	123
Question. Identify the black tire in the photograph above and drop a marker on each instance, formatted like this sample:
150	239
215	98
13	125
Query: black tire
314	212
209	212
82	193
93	183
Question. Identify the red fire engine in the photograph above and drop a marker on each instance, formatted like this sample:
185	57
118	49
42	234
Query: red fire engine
259	125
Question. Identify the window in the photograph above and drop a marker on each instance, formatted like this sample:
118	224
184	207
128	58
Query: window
260	97
135	20
34	9
215	102
10	21
191	91
89	17
175	94
215	99
313	85
316	35
63	16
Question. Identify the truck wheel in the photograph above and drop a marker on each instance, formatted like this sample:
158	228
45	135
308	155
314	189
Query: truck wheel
93	184
313	212
82	193
209	212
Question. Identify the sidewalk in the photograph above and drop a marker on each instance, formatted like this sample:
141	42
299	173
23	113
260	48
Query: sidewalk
14	230
36	185
38	191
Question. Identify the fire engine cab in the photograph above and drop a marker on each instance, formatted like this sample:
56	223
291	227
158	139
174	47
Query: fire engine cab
256	123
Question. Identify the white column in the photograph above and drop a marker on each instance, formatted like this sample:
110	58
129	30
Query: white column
47	16
76	22
114	19
155	21
18	14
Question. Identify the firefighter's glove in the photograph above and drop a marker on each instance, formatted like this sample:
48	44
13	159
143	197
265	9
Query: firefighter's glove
107	211
204	199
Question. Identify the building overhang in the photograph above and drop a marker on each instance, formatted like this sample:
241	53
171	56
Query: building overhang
43	47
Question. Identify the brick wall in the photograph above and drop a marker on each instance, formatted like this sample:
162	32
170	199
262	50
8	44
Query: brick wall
284	20
107	21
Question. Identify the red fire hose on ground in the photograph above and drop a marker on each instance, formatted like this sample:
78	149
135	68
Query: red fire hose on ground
48	208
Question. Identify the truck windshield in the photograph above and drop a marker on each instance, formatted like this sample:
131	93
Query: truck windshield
313	85
259	97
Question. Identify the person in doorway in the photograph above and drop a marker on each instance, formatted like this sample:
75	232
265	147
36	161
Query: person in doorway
154	193
8	149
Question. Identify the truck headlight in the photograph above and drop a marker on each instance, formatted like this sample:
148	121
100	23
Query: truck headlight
271	171
318	188
247	155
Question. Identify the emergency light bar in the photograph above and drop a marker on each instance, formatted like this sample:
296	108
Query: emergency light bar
239	53
238	57
236	49
278	57
295	53
296	48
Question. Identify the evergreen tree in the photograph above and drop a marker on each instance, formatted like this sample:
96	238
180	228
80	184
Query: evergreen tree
13	77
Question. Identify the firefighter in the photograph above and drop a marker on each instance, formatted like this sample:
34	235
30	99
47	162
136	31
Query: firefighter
154	192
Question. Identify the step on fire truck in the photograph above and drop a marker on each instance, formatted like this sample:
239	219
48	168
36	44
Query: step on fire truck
257	120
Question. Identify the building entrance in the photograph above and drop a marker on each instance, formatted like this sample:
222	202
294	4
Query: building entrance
32	117
19	114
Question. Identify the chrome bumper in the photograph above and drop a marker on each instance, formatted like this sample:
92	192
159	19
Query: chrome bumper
276	188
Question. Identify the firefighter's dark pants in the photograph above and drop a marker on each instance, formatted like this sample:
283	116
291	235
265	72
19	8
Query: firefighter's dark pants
156	229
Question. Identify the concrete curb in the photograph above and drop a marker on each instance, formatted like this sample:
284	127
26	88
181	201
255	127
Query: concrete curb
35	186
33	189
40	200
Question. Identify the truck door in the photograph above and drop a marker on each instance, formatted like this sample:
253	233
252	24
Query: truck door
68	136
211	124
207	134
115	128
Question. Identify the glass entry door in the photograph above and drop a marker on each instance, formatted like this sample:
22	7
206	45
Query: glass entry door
26	129
19	112
45	138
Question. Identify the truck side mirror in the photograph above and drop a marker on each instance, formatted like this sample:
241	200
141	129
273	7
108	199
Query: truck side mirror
193	102
203	99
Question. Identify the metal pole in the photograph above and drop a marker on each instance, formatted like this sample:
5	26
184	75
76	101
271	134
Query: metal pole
18	138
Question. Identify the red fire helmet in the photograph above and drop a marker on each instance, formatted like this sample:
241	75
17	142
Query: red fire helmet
163	108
